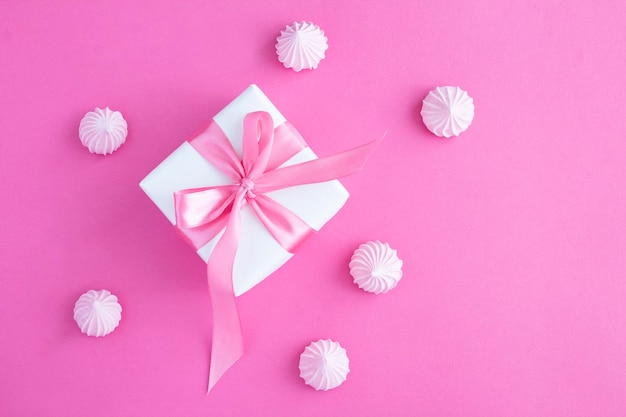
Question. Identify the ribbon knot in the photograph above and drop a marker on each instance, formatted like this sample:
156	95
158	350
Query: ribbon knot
202	213
248	185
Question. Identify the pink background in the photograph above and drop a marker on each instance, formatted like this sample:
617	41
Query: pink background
513	234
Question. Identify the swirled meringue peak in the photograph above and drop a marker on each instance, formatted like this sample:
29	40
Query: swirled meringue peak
103	131
324	365
375	267
301	46
447	111
97	313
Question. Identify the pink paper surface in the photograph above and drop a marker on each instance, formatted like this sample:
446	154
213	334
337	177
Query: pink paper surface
513	235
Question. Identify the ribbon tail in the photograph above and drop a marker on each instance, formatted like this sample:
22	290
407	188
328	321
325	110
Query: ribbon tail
317	170
227	344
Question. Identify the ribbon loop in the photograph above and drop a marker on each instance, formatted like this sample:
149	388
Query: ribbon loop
258	138
202	213
196	207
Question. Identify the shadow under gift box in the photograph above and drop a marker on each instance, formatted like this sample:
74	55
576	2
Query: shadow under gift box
258	253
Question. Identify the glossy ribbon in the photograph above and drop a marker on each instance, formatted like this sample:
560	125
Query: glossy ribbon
202	213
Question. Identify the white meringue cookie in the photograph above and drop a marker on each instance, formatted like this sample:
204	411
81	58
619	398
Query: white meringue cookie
375	267
103	131
447	111
97	313
301	46
324	365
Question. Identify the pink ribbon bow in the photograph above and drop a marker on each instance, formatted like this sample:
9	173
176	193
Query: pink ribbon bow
202	213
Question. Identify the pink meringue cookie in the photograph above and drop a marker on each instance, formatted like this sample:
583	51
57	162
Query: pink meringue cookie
97	313
301	46
103	131
447	111
324	365
375	267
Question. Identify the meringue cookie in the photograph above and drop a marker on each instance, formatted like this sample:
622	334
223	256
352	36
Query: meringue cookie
103	131
324	365
97	313
301	46
375	267
447	111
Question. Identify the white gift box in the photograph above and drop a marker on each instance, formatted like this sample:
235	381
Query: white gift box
258	254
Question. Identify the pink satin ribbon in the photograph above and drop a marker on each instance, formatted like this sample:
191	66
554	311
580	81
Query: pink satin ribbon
202	213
